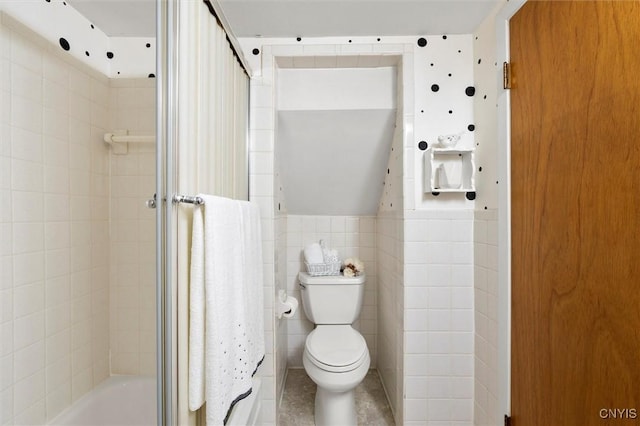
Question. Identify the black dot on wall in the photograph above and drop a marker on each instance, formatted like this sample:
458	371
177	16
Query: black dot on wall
470	91
471	196
378	38
422	145
449	74
87	53
387	171
350	41
64	43
256	51
479	61
298	38
110	55
480	168
431	64
92	27
422	42
148	45
484	97
435	87
459	51
471	127
48	1
444	37
152	75
450	111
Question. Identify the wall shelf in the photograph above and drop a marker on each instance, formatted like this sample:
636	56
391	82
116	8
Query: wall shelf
450	170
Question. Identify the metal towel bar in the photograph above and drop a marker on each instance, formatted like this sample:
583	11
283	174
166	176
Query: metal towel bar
187	199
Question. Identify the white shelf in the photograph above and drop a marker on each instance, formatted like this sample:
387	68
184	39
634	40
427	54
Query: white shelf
450	170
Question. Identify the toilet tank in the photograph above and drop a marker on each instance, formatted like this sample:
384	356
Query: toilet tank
331	299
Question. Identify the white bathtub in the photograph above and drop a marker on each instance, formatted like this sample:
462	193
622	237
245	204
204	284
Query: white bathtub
131	401
119	400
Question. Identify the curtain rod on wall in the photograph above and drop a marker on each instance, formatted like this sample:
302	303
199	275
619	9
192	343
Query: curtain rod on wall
231	39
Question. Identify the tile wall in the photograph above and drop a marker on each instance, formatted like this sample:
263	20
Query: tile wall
486	318
262	182
76	241
438	317
389	258
133	241
54	226
352	236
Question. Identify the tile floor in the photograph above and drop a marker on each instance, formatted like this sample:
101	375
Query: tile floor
296	408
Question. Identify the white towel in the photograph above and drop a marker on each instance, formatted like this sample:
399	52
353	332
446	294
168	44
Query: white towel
313	253
226	336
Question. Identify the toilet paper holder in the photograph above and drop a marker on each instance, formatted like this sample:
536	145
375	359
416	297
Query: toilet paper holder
286	306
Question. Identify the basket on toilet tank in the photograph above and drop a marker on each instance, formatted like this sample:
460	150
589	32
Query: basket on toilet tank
331	264
323	269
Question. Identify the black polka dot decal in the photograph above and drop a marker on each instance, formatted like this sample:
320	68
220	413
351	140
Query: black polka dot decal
92	27
298	38
64	43
422	42
256	51
471	127
379	39
470	91
435	87
152	75
444	37
110	55
422	145
471	196
479	61
87	53
148	45
480	168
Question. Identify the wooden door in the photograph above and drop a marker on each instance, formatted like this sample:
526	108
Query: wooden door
575	213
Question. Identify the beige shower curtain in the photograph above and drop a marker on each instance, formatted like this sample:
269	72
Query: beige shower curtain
211	150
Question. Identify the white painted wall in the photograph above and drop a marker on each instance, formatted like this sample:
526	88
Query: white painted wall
334	131
336	89
115	57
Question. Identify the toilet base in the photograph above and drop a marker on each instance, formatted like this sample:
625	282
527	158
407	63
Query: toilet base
335	408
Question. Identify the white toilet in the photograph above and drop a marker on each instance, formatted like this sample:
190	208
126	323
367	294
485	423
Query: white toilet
335	355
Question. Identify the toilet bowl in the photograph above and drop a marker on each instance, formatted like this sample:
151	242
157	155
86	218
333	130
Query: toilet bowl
335	355
337	359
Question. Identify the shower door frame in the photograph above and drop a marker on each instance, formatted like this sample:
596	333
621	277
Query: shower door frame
166	131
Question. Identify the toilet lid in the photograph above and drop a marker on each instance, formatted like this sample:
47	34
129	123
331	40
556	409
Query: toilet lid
336	345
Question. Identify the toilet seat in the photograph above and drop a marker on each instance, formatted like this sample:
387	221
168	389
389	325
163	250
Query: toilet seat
336	348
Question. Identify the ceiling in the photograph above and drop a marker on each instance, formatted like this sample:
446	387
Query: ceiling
304	18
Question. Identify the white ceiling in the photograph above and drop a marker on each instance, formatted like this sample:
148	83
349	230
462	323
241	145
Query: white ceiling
304	18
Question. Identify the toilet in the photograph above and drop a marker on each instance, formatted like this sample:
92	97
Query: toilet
335	355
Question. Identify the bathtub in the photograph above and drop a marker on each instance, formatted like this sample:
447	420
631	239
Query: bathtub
119	400
131	400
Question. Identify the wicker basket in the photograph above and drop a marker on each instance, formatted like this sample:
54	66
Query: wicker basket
320	269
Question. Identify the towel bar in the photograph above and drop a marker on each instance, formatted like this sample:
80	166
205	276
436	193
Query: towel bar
187	199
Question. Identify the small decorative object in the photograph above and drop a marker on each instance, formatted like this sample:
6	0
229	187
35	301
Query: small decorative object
448	141
353	267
